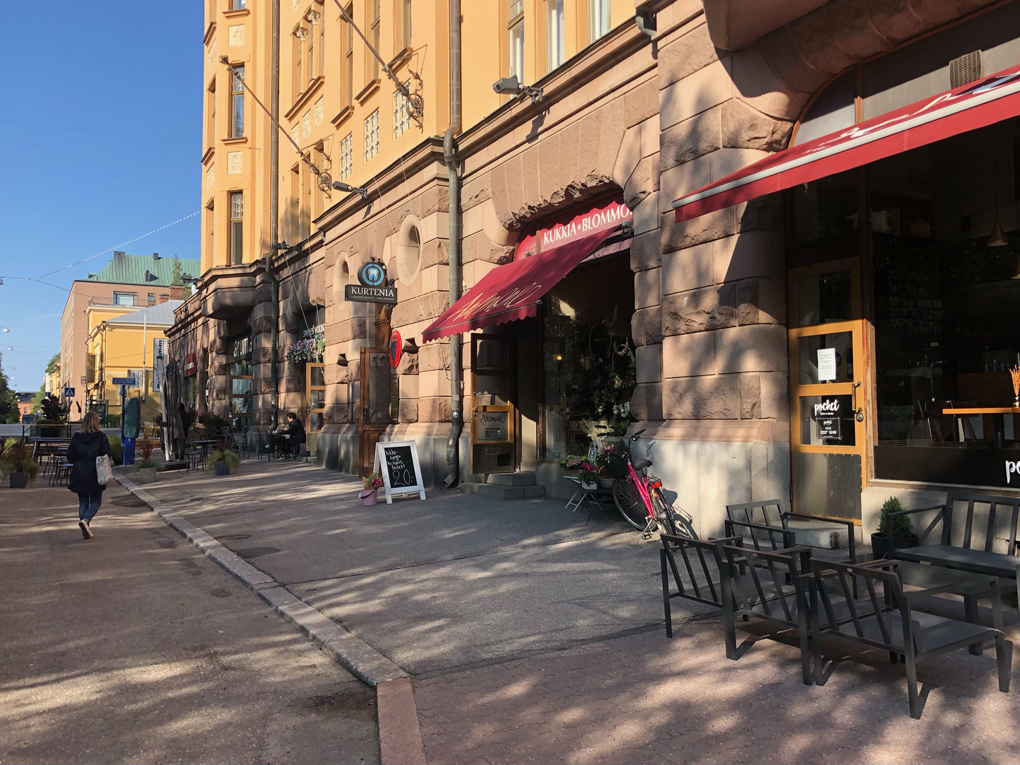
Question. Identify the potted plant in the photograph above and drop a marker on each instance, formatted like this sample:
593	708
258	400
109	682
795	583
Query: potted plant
588	474
902	530
372	484
146	466
223	459
16	461
571	463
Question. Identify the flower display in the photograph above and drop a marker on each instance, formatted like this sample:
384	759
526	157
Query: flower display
311	349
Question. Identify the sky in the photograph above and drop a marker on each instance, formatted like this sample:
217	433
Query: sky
112	94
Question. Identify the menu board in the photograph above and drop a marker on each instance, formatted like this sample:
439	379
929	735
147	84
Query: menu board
397	462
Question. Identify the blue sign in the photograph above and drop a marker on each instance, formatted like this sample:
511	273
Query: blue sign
372	274
68	392
129	381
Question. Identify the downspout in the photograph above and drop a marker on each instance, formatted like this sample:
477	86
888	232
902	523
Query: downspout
274	215
453	187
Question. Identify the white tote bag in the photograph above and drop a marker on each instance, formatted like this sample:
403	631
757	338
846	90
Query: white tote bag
104	469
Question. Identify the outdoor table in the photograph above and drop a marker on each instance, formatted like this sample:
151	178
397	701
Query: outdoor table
917	576
204	445
583	497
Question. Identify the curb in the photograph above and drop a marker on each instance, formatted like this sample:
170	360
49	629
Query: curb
363	661
400	741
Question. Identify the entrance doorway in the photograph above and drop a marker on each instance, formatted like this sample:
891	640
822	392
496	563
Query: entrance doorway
493	416
379	395
828	398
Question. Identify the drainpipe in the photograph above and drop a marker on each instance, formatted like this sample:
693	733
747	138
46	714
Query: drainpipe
274	213
450	157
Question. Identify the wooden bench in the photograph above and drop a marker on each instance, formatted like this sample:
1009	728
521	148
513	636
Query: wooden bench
960	536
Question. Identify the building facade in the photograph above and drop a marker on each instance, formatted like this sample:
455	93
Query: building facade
810	339
125	284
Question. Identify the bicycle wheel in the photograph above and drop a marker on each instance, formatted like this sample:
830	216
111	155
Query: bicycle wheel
674	522
629	503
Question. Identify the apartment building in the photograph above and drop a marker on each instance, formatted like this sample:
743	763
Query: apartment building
664	223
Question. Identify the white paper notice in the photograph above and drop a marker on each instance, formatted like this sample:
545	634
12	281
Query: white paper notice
826	364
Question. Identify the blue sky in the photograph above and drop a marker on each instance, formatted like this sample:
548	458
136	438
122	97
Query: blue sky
114	67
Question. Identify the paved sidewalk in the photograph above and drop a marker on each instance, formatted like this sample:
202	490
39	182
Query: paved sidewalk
134	647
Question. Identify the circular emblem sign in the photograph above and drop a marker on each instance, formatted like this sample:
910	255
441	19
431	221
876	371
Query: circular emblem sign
396	349
372	275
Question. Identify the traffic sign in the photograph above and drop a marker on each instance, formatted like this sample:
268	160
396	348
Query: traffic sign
396	349
129	381
68	392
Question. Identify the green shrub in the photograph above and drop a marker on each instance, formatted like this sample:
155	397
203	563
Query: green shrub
17	458
901	525
116	450
223	454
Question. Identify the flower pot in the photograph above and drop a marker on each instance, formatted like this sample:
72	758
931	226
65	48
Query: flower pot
19	480
590	485
146	475
367	497
220	467
880	546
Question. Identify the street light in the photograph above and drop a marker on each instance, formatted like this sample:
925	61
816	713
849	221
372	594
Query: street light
341	186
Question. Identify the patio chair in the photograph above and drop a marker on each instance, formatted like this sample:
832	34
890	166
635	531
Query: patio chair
240	441
772	586
891	623
703	564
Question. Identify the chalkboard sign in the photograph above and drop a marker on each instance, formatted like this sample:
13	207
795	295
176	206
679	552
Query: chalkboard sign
397	462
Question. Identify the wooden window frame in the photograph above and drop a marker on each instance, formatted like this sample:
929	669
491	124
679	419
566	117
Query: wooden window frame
236	229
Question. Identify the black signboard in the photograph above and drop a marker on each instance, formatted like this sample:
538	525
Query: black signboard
359	293
829	427
397	462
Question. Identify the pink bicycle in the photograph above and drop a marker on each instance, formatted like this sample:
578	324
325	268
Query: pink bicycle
641	499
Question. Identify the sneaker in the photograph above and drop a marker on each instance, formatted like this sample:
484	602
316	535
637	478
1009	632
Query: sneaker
86	532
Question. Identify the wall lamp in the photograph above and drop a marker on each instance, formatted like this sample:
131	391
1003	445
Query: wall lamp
341	360
341	186
513	86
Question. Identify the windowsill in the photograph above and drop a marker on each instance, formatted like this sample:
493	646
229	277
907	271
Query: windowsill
240	12
367	91
342	116
208	155
232	141
306	95
209	32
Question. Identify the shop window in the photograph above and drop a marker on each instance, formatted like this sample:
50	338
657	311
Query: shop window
315	396
240	373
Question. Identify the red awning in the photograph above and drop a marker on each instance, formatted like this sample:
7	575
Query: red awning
513	291
977	105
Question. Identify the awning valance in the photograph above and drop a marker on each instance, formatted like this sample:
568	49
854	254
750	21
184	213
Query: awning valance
969	107
513	291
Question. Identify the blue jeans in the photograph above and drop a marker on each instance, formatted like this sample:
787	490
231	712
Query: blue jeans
88	505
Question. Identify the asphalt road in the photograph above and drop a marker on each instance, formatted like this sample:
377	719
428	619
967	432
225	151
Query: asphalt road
134	647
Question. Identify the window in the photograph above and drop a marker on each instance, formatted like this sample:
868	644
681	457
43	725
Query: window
125	298
517	39
403	25
237	5
401	115
347	70
236	227
315	391
298	82
306	208
346	156
321	164
240	371
312	34
554	29
237	102
322	44
295	202
372	135
210	233
374	37
598	15
152	298
212	11
210	114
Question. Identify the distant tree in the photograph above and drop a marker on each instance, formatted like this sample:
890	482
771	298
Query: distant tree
177	272
8	401
54	366
52	410
40	396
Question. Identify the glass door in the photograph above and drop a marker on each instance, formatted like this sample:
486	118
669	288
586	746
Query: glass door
376	393
828	397
493	440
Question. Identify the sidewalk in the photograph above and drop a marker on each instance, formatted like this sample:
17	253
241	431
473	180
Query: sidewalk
135	647
533	634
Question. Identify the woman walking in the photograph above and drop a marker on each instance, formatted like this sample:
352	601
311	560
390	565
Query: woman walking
87	444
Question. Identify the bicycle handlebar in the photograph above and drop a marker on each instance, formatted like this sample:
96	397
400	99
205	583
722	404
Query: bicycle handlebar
635	436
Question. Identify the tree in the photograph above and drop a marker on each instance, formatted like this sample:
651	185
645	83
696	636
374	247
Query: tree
52	410
177	273
40	396
54	366
8	401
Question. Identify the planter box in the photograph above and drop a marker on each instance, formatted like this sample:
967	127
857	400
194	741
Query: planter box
19	480
220	468
880	544
146	475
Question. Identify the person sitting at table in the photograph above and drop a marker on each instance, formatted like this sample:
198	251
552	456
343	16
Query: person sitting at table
295	436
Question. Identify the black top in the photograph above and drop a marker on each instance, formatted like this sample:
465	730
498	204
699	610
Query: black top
82	452
296	431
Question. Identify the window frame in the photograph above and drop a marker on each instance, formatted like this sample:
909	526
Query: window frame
235	250
371	131
237	101
600	19
210	113
375	31
515	35
555	37
298	53
347	59
132	295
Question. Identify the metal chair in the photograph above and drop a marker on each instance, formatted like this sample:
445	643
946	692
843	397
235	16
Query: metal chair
703	564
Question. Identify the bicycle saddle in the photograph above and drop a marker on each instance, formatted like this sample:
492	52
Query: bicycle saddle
641	464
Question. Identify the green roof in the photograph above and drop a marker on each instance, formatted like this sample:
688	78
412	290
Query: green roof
154	270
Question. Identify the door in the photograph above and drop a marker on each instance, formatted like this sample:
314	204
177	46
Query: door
376	395
493	419
828	397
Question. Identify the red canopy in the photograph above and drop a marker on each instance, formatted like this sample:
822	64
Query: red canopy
513	291
969	107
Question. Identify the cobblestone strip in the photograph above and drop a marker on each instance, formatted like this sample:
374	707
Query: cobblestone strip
361	659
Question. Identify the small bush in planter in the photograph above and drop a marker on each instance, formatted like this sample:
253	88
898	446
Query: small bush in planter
146	466
900	525
116	450
16	461
226	457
